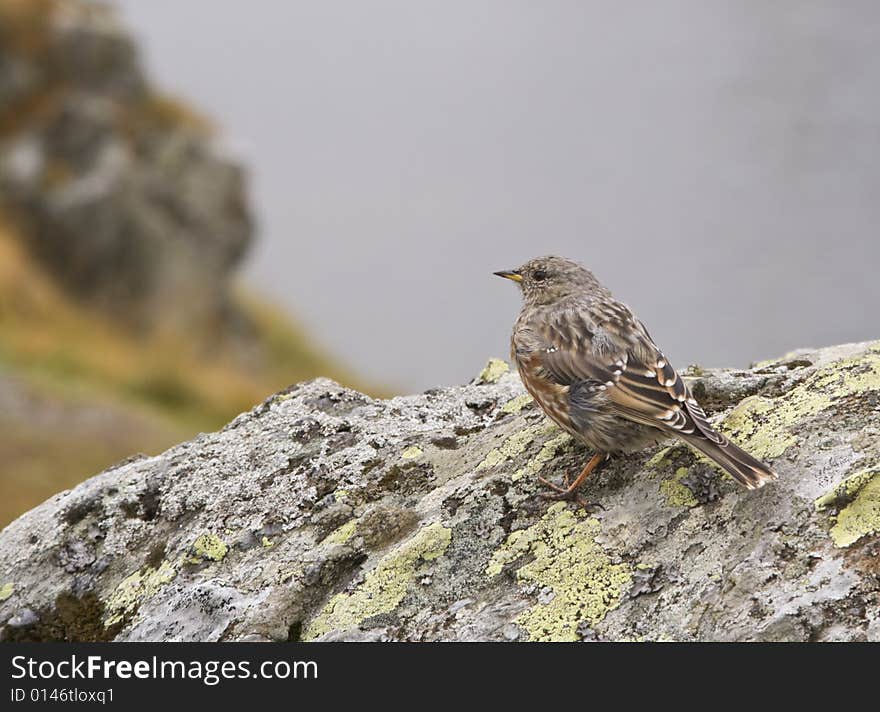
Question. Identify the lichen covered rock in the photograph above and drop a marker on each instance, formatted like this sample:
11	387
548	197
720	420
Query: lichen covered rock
325	515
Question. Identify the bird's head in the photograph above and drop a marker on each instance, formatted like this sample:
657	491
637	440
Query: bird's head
545	280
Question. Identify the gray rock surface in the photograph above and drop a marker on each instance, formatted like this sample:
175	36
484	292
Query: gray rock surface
323	514
121	192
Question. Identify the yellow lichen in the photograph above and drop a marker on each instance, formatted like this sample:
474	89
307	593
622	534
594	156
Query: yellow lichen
515	405
754	424
861	515
677	494
209	546
6	590
411	453
763	425
493	371
342	534
845	491
136	588
385	586
583	582
549	450
658	458
267	542
515	445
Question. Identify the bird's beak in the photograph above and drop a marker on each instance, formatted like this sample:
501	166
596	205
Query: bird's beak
509	274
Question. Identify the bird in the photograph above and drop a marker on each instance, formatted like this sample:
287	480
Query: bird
593	368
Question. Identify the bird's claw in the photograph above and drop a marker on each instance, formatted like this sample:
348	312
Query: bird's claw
568	494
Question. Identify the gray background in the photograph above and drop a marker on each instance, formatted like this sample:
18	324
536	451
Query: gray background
716	164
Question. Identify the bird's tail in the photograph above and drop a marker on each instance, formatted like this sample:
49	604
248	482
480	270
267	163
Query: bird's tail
744	468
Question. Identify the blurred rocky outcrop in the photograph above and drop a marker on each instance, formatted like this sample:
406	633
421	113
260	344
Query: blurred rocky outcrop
324	514
122	222
121	192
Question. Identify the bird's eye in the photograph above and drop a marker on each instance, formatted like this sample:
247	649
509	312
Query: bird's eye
539	275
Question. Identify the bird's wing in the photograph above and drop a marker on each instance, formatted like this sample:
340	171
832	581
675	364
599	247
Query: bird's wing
603	343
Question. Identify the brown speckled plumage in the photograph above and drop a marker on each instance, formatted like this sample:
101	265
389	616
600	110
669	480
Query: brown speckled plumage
594	369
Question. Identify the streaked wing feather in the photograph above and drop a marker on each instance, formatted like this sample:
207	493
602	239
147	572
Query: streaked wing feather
639	380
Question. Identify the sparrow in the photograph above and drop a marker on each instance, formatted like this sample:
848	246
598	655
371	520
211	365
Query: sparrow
593	368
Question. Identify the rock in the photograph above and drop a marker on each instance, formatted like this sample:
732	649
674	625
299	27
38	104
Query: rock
324	514
122	193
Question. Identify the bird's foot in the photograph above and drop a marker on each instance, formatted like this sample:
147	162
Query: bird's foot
569	493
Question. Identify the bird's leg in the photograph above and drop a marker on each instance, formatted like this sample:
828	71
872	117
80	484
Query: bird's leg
569	491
